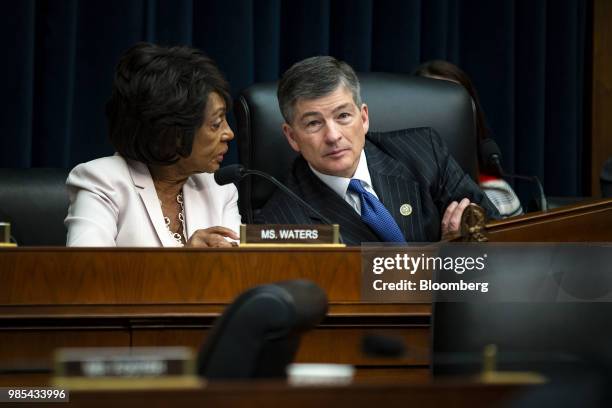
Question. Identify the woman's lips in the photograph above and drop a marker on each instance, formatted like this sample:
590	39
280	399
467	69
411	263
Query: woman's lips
221	155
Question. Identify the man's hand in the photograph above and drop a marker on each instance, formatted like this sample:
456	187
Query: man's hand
451	222
213	237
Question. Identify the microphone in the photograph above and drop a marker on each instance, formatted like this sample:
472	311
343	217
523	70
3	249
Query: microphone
230	174
235	172
490	157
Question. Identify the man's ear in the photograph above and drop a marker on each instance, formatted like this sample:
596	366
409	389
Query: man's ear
290	136
365	118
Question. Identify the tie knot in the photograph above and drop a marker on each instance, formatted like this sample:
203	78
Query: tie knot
356	187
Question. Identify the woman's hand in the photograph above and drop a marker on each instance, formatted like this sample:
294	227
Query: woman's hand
213	237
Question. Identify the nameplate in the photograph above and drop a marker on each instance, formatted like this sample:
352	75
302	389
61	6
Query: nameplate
124	362
289	234
5	234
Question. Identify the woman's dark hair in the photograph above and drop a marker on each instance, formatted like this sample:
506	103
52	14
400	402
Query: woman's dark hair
158	100
445	70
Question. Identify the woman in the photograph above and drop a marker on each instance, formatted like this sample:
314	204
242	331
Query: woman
167	122
496	188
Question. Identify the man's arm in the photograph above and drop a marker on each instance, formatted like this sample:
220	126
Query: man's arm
456	189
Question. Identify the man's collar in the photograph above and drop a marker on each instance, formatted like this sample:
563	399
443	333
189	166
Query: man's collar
340	184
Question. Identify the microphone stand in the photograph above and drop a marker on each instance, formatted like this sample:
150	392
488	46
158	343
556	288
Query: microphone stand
245	172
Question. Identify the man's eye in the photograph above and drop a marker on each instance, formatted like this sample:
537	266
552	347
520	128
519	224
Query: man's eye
344	115
313	123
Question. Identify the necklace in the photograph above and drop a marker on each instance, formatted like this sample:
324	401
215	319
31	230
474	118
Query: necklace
180	239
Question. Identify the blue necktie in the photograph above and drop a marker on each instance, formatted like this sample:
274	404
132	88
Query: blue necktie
375	215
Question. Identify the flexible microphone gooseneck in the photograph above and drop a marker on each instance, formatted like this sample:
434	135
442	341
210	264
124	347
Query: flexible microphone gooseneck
235	172
490	156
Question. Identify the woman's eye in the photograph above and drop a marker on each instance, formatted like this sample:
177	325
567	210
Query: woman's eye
216	125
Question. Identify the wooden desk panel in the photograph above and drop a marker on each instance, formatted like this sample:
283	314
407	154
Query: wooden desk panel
326	344
26	353
585	222
171	297
35	345
182	276
278	395
57	297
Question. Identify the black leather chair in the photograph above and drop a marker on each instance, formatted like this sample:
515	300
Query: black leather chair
394	101
35	202
259	333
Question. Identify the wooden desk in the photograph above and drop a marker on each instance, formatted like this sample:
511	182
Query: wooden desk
59	297
585	222
62	297
279	395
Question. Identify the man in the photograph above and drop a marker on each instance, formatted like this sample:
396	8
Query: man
398	186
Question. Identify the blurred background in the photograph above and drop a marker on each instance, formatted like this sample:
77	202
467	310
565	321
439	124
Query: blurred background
531	61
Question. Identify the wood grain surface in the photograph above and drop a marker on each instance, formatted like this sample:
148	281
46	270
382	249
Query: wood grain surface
66	297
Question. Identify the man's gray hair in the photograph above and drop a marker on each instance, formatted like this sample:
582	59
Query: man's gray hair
314	78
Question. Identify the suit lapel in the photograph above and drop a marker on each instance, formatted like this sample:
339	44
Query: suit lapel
146	189
331	205
395	188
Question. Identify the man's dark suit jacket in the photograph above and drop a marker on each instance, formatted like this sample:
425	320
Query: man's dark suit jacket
409	166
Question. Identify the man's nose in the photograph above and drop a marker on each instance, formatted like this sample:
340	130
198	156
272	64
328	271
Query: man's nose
333	133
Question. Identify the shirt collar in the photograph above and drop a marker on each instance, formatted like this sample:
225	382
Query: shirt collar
340	184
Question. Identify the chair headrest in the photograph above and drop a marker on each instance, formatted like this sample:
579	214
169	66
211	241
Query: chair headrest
258	334
35	202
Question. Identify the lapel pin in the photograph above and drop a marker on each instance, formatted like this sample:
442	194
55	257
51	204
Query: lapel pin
406	210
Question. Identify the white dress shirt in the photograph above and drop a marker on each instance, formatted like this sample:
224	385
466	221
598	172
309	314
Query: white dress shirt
340	184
